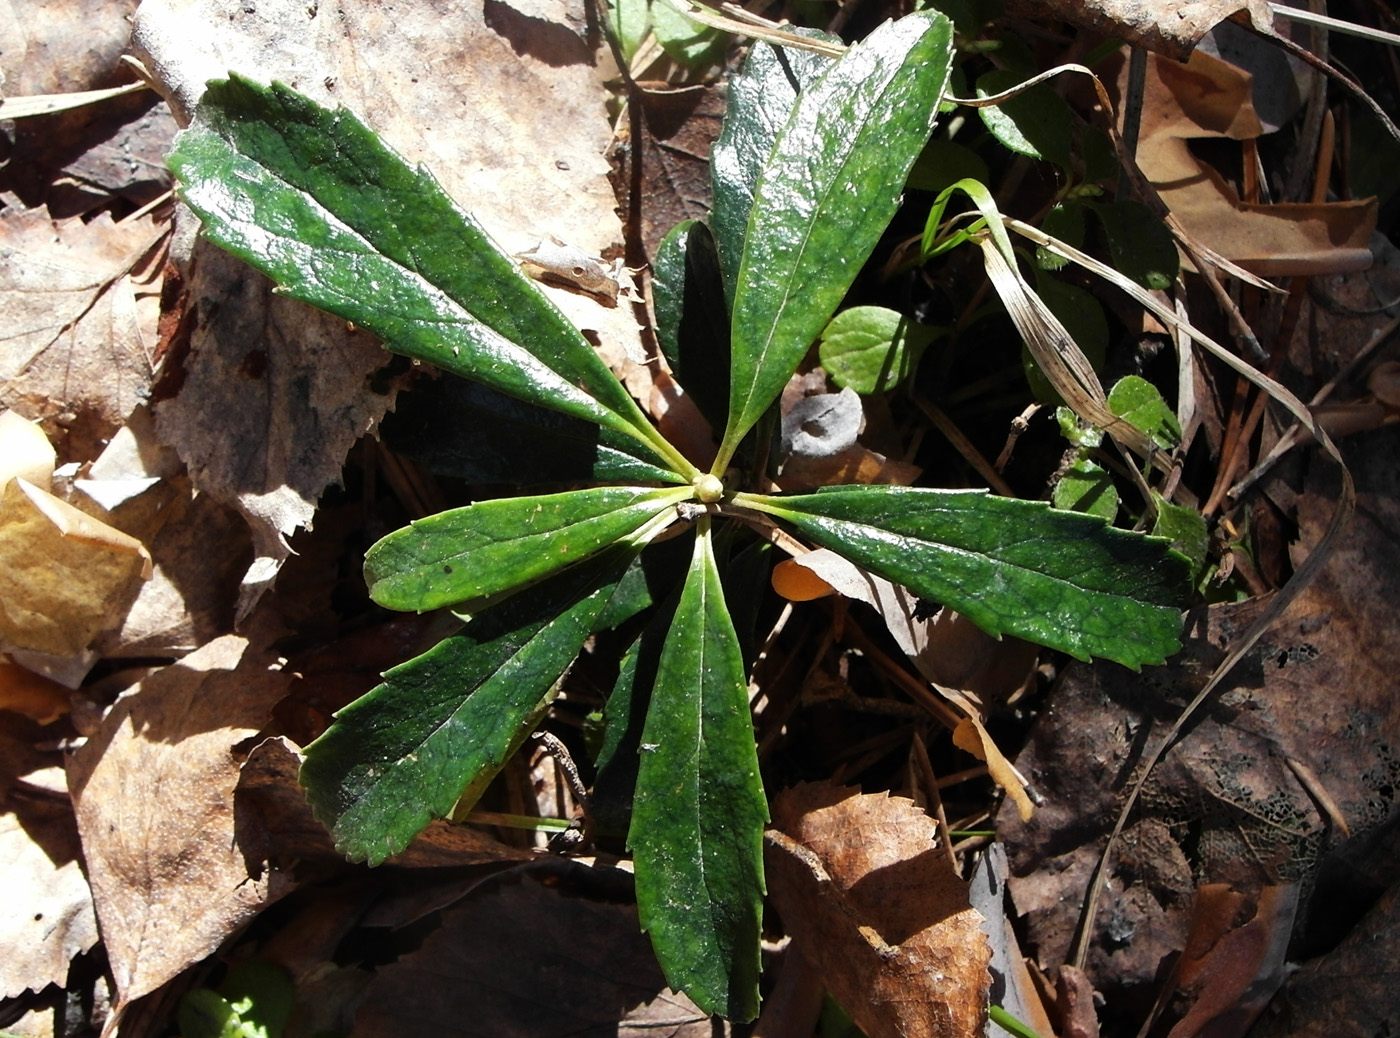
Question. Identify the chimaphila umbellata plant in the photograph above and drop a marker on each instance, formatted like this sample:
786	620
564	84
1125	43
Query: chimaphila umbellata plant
312	198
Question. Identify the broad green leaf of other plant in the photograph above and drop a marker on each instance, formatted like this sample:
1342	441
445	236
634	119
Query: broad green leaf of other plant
441	725
312	198
1062	579
697	822
496	546
826	194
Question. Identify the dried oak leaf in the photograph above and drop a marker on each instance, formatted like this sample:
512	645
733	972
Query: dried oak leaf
874	907
154	794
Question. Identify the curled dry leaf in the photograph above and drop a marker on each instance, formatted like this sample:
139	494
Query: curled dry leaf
874	907
1210	98
153	790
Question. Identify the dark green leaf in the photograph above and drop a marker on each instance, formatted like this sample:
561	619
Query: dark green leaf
497	546
826	194
624	716
692	316
760	102
697	823
1064	222
1086	487
471	432
1139	403
312	198
871	349
1061	579
1036	122
1185	528
442	724
1139	243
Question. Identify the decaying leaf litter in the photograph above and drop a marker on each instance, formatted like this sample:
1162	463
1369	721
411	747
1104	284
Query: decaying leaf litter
176	802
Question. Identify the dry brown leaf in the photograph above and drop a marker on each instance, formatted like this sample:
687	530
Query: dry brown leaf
1169	29
873	905
41	53
1210	98
46	915
24	692
506	111
1236	957
75	352
276	823
1348	992
154	794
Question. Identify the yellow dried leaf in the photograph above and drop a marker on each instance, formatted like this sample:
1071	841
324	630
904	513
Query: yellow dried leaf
64	576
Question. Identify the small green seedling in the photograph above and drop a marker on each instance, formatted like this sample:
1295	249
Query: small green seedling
805	183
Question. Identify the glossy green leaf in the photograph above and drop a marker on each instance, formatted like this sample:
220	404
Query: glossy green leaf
760	101
469	431
1139	402
826	194
692	316
1036	122
1086	487
313	199
442	724
496	546
697	823
1061	579
871	349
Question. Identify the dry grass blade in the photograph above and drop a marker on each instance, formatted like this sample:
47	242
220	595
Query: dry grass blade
48	104
755	28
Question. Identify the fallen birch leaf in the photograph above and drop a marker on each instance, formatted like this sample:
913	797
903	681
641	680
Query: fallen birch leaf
1210	98
153	790
875	908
